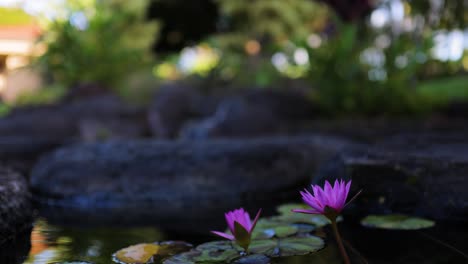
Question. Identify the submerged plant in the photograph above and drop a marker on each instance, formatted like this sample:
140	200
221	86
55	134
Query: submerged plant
329	202
241	227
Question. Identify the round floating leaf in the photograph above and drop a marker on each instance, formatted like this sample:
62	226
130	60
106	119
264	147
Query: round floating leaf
211	252
217	251
73	262
290	246
294	246
396	222
267	247
215	245
285	230
291	217
267	228
170	248
183	258
253	259
287	208
140	253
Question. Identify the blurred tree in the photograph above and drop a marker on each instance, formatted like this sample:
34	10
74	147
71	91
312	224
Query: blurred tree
97	42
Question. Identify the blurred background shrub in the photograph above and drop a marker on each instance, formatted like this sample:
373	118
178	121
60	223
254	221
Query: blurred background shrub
98	42
360	57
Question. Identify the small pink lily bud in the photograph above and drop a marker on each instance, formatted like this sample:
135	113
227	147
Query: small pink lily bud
241	227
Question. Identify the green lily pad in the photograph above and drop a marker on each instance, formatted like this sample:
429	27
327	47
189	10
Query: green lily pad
295	246
183	258
291	217
73	262
217	251
396	222
267	228
253	259
290	246
266	247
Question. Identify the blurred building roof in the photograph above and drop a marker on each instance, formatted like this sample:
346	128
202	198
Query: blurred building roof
19	32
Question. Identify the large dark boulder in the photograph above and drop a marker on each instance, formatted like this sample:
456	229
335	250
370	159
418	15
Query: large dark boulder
416	174
68	119
29	132
255	113
181	111
15	205
176	184
176	104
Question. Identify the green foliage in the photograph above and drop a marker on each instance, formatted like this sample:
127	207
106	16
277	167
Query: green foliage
445	89
45	95
115	41
346	83
396	222
268	24
279	20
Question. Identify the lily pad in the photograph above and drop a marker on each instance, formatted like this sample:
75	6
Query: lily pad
396	222
267	228
140	253
290	217
217	251
253	259
290	246
211	252
73	262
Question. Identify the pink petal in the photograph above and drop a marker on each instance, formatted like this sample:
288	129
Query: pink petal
330	194
230	220
320	196
247	224
310	200
339	187
348	186
255	220
221	234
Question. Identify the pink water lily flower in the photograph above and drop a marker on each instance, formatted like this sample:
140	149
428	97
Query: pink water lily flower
240	225
328	201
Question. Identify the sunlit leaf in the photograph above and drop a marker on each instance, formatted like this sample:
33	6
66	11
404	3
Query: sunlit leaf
140	253
396	222
148	253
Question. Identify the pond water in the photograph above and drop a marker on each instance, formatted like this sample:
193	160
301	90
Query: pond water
445	244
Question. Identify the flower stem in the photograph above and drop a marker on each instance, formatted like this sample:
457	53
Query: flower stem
340	242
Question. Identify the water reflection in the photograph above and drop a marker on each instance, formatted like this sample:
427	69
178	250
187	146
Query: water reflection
53	244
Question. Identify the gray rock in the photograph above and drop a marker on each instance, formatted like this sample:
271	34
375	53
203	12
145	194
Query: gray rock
15	205
63	120
255	113
179	184
29	132
176	104
414	174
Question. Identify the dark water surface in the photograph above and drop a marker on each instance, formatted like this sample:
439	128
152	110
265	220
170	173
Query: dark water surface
446	244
